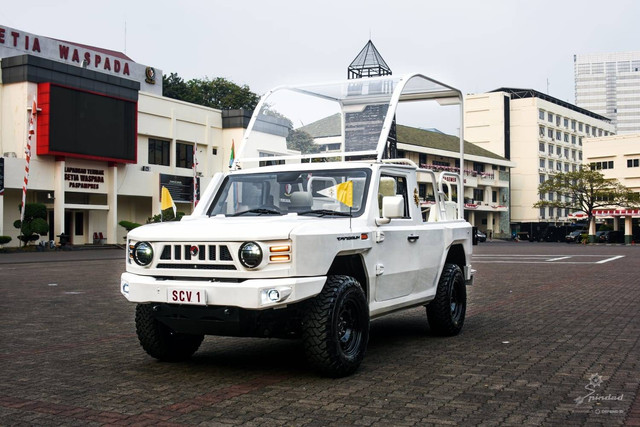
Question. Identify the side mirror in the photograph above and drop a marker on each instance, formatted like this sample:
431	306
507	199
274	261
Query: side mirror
392	207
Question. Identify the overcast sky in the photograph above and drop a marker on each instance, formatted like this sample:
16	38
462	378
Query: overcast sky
475	46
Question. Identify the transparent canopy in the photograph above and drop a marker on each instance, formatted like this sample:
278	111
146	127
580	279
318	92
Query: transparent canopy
350	119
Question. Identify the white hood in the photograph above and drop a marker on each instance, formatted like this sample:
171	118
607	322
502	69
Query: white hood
225	228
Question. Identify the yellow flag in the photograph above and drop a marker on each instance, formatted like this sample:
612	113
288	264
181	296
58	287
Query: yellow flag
167	201
341	192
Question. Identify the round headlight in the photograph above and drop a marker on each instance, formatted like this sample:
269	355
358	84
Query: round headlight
250	254
143	253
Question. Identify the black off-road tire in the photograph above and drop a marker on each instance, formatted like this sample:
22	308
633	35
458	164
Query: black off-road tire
447	310
336	327
159	341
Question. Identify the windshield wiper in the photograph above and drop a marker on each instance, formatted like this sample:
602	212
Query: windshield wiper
324	212
259	211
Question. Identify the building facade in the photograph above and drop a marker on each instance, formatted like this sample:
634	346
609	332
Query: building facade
485	176
609	84
105	140
542	135
617	157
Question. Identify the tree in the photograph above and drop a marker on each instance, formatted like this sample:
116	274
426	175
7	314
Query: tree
34	224
584	190
301	141
218	93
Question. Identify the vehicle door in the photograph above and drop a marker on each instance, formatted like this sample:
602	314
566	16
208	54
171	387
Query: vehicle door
398	258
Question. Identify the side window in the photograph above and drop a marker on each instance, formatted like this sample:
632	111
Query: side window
393	186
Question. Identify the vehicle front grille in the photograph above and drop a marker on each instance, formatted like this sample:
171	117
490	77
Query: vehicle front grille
196	256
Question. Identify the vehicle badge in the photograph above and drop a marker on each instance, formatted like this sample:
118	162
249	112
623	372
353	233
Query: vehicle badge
193	250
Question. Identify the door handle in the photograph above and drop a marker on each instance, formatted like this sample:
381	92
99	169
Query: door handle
412	237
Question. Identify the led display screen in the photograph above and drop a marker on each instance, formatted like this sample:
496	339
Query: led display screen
90	125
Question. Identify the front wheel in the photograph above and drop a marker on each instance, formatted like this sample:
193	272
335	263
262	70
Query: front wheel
159	341
447	310
336	327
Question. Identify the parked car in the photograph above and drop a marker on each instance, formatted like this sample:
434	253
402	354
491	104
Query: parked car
601	236
481	236
574	237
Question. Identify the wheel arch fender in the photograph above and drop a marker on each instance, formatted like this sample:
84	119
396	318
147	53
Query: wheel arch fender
351	265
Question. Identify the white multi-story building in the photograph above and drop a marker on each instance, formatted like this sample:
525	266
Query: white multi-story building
609	84
542	135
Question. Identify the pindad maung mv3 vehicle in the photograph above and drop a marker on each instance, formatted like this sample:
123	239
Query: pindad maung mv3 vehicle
311	242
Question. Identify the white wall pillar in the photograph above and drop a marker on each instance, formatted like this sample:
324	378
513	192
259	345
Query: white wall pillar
58	202
112	202
628	232
616	223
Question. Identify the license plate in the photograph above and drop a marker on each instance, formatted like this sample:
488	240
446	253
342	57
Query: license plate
187	296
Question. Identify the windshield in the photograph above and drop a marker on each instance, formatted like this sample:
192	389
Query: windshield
326	193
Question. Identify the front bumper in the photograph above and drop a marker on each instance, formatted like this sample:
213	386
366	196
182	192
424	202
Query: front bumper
249	294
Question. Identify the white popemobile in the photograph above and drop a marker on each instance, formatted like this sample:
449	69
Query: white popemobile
315	244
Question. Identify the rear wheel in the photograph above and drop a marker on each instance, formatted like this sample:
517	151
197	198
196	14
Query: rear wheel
336	327
159	341
446	312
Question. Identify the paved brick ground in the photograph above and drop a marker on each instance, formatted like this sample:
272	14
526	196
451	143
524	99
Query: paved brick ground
535	336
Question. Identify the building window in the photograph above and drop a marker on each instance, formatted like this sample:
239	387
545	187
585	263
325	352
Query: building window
422	159
269	162
541	131
573	124
542	163
159	152
557	120
550	133
602	165
574	168
550	117
541	147
566	137
580	141
478	167
633	163
559	135
494	197
566	153
542	213
550	212
566	122
559	166
566	167
580	126
587	128
184	155
541	114
478	195
573	154
558	150
550	149
580	155
541	178
550	164
573	139
422	190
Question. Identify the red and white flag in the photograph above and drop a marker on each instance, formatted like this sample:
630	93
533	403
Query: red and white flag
27	152
195	176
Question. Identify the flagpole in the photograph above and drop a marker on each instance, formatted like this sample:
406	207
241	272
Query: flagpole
27	152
